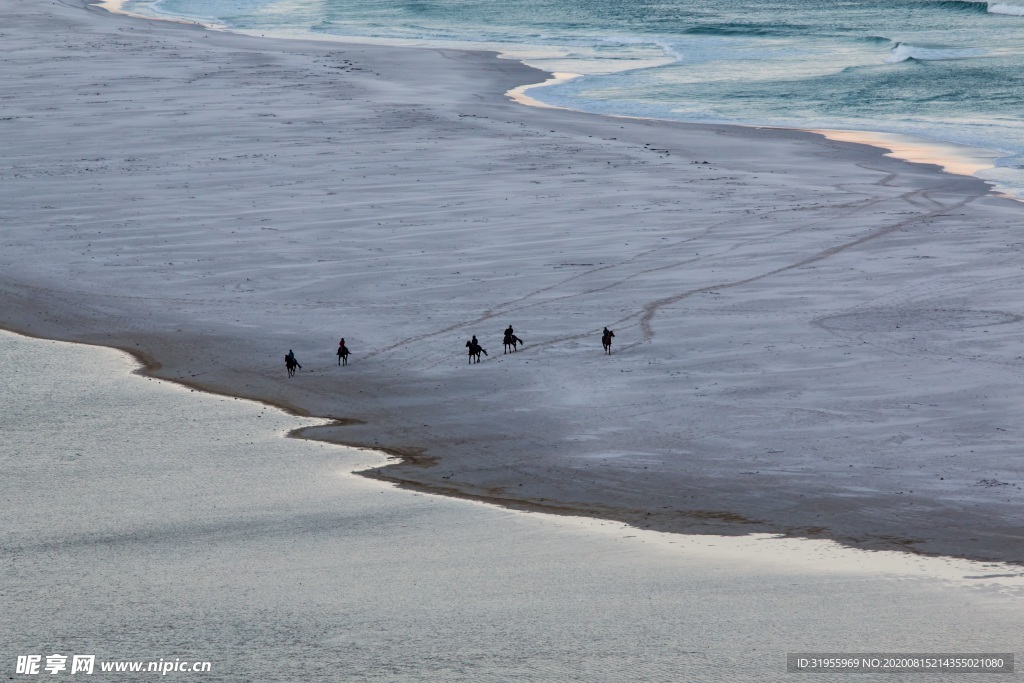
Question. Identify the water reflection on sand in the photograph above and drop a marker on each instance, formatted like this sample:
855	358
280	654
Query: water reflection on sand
145	521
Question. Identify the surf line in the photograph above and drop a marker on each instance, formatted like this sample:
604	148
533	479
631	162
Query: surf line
519	94
952	158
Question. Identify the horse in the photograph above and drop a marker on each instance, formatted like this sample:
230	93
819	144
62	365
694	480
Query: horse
290	364
606	340
474	351
511	341
342	355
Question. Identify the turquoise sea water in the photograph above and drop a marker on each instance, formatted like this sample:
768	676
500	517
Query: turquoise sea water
944	70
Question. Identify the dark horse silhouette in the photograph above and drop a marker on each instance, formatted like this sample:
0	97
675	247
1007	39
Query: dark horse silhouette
290	364
511	341
475	350
606	340
342	354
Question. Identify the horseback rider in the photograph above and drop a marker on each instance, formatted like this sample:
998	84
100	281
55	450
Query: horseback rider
511	341
475	349
606	340
290	358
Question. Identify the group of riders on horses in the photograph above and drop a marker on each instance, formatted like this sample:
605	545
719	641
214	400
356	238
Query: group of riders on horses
511	342
291	364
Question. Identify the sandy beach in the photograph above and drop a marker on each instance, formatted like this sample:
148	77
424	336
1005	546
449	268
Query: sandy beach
262	558
811	338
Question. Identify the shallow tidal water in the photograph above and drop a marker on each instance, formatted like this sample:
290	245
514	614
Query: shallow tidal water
145	521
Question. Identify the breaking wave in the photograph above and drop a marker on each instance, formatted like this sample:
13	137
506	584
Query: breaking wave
978	6
904	51
957	5
1006	8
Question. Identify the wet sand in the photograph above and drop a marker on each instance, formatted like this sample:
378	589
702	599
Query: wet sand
204	537
812	338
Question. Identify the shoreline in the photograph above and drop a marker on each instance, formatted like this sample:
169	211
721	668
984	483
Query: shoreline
390	432
238	529
735	525
953	158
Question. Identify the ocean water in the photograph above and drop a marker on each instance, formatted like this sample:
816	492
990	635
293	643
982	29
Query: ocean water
144	522
942	70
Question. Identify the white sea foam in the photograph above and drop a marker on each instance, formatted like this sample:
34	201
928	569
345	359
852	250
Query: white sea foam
1006	8
904	51
719	65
